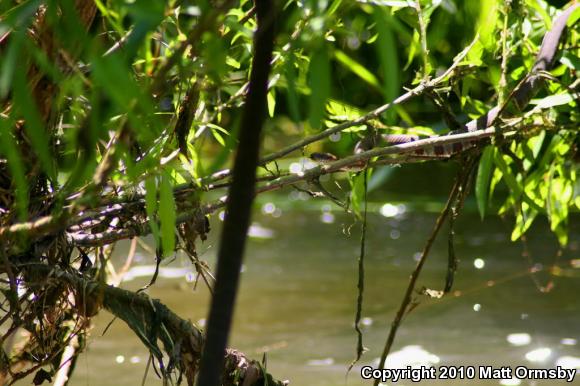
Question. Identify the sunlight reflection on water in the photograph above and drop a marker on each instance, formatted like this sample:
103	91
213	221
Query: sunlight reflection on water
300	288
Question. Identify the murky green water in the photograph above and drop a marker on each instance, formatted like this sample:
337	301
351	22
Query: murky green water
297	301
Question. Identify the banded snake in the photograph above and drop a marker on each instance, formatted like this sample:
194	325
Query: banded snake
519	99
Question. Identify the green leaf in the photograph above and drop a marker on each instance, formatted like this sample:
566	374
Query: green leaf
334	6
488	16
114	77
9	149
217	132
524	219
292	97
387	50
570	60
513	184
146	15
482	183
357	193
553	100
34	126
151	207
271	97
413	48
399	4
573	18
357	69
233	63
215	52
560	197
167	215
319	83
9	64
342	111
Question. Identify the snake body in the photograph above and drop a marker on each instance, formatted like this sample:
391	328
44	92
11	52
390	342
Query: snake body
519	99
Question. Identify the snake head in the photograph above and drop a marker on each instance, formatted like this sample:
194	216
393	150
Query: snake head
323	158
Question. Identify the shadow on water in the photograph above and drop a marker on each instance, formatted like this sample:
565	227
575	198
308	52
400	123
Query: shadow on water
298	293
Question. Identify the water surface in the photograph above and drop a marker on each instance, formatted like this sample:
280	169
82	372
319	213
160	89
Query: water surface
298	293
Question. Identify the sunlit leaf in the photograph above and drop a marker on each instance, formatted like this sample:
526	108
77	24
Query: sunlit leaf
561	193
553	100
218	133
334	6
342	111
488	15
357	68
357	193
570	60
482	183
513	184
524	219
573	18
271	99
413	48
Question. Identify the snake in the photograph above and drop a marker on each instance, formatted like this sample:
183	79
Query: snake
519	98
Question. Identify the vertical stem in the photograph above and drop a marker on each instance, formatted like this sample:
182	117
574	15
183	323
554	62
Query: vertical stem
457	194
423	37
240	199
504	53
361	278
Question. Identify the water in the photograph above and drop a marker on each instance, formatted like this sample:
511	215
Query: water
298	294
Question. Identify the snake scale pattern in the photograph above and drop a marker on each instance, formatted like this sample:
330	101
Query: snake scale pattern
519	99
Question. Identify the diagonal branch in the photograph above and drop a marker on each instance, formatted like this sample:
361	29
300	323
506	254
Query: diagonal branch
457	194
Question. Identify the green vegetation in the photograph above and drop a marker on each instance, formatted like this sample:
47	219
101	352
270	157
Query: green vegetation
121	119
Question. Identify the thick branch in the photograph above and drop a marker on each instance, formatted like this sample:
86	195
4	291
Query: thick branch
548	51
151	320
405	149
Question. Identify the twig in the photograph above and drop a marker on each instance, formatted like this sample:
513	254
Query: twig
63	373
374	113
423	38
360	349
207	21
110	236
456	192
505	54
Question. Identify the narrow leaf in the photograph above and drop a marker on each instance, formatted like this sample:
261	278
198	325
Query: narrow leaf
387	50
33	121
271	103
9	149
167	215
513	184
292	97
151	208
319	83
357	69
482	183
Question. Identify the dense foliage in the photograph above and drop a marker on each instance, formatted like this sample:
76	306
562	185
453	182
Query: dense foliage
120	119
